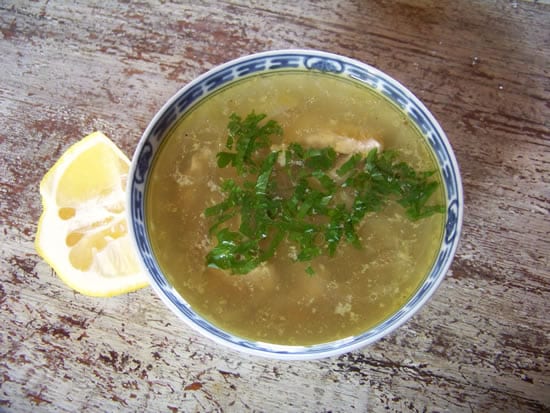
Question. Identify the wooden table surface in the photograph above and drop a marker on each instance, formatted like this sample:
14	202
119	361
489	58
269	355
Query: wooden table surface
480	344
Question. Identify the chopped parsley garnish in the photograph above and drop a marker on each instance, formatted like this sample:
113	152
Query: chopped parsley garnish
306	196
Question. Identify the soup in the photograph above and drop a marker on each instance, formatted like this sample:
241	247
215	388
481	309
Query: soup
283	300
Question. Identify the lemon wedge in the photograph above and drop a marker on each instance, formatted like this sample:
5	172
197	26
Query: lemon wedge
82	232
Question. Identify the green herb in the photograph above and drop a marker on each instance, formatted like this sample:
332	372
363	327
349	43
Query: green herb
246	137
302	196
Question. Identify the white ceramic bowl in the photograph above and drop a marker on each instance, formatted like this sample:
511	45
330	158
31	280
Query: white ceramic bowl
273	61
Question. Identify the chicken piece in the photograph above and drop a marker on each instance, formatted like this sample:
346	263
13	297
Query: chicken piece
264	277
201	161
341	144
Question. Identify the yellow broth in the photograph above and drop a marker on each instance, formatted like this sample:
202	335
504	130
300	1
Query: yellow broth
278	302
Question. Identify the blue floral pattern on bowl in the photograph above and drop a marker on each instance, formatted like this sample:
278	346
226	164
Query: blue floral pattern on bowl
305	60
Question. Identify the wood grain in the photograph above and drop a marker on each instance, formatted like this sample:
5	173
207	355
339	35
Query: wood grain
482	342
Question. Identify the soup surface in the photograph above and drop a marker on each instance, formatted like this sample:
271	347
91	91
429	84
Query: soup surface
278	302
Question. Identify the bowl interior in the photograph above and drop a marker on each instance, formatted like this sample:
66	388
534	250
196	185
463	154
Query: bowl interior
272	62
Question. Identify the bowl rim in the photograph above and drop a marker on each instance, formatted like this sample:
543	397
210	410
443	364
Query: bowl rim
308	352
